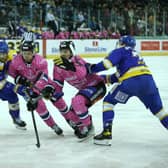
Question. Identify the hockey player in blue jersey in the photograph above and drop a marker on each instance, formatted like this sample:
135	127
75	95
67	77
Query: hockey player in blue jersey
133	79
7	92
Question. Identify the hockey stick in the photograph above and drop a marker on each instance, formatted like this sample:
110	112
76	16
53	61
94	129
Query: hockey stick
35	129
33	117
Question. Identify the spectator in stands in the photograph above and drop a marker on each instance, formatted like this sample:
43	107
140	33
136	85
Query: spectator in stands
13	15
52	23
75	15
68	16
141	24
80	19
12	29
100	26
3	16
93	24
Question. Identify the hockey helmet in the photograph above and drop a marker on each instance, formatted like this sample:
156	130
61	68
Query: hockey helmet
128	40
27	46
3	47
67	45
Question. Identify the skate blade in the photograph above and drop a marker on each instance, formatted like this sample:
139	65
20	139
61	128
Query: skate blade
86	138
20	128
90	135
106	142
61	135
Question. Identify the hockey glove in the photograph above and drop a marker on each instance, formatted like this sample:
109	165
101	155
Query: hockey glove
22	81
33	101
64	63
31	105
49	93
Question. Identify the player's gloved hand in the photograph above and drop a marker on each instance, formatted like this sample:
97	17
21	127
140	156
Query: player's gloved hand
64	63
48	91
32	103
22	81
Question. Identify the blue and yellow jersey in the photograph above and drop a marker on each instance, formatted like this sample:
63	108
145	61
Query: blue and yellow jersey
11	54
4	66
126	60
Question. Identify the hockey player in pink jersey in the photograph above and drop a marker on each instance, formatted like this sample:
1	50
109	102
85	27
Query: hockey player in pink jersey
71	68
31	70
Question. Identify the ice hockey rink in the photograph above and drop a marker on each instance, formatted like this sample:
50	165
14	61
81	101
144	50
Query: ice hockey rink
139	140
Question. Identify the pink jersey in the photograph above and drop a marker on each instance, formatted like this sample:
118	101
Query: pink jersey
80	79
30	71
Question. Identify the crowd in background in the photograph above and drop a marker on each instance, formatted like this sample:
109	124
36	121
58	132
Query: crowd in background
84	19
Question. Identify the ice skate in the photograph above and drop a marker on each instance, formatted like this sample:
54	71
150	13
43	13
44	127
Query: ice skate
57	130
104	138
19	124
84	132
74	126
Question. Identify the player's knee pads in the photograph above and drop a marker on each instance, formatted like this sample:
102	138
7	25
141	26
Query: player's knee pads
2	84
41	108
79	104
163	117
9	93
107	106
60	105
14	106
164	122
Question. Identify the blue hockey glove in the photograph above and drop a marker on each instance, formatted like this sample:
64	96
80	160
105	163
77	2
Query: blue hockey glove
64	63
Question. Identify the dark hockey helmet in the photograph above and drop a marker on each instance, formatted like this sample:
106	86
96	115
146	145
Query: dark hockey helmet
67	45
3	47
27	46
128	41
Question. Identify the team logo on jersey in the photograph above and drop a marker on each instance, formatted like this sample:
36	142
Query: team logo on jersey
121	97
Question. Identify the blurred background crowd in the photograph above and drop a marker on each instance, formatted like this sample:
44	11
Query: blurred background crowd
83	19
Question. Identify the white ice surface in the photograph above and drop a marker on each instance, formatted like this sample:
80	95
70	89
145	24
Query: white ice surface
139	140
